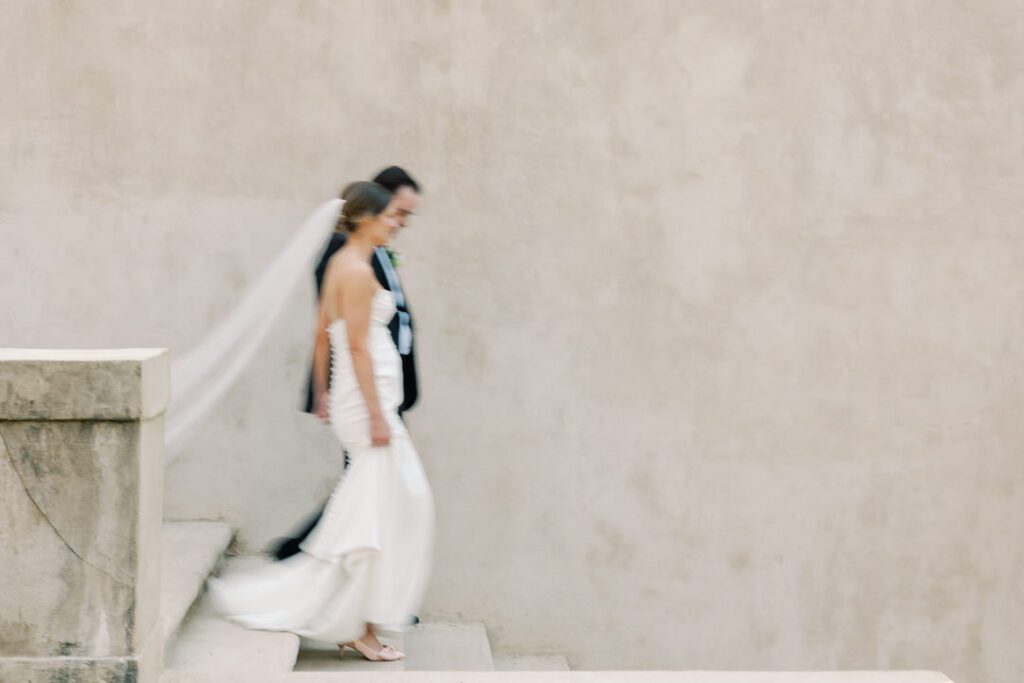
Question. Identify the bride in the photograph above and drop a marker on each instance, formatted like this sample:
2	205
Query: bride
366	564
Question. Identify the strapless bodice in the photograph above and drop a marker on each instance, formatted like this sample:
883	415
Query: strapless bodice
347	409
382	310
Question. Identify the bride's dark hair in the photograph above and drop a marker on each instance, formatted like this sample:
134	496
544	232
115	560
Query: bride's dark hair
362	199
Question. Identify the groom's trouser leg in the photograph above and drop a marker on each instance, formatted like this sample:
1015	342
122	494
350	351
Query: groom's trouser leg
290	546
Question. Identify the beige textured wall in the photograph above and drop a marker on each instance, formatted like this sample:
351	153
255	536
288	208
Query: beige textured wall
719	303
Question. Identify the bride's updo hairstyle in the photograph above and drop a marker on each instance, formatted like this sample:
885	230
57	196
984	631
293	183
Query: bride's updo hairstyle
362	199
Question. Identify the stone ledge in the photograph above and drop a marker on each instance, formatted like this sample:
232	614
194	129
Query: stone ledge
72	384
145	666
70	669
564	677
517	662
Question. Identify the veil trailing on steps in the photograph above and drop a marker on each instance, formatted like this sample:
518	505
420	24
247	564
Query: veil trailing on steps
201	377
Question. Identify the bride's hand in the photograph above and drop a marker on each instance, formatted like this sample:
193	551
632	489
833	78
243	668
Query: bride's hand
380	433
320	408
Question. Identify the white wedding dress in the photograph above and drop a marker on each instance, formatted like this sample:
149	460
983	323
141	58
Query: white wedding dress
369	557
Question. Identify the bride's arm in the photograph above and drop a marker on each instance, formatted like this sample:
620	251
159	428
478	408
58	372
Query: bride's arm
358	288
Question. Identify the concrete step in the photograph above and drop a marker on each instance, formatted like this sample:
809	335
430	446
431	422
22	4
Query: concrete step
430	646
570	677
530	663
444	646
209	643
190	551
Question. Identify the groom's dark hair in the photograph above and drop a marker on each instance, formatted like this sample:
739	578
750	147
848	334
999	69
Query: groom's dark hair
394	177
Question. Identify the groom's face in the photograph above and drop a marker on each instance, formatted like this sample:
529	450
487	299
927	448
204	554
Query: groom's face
405	202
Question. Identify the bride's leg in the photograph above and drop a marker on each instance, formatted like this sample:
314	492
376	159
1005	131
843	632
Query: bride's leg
370	638
371	648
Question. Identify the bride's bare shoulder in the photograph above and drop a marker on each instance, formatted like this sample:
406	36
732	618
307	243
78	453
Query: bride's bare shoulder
349	271
344	262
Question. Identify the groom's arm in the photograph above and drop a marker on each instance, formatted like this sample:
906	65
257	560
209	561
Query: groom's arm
321	363
336	242
378	271
410	380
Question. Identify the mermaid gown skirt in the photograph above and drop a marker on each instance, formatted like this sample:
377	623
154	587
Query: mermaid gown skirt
368	558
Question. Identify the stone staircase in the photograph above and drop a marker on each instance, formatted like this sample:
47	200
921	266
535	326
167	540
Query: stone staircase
200	647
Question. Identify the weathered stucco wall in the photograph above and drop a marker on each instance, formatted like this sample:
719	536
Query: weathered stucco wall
718	302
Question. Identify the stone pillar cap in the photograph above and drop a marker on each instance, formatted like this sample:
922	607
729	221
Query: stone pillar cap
83	384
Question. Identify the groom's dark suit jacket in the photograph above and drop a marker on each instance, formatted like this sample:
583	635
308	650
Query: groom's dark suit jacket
408	360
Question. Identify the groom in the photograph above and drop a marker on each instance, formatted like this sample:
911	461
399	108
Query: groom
407	197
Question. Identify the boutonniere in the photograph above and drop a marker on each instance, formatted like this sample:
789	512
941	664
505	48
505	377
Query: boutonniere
393	256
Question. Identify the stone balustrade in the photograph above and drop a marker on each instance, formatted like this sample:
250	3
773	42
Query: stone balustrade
81	495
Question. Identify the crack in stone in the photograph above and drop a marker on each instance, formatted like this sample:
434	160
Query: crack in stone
28	494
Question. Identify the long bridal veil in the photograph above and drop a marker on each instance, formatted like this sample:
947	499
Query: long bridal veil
201	377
